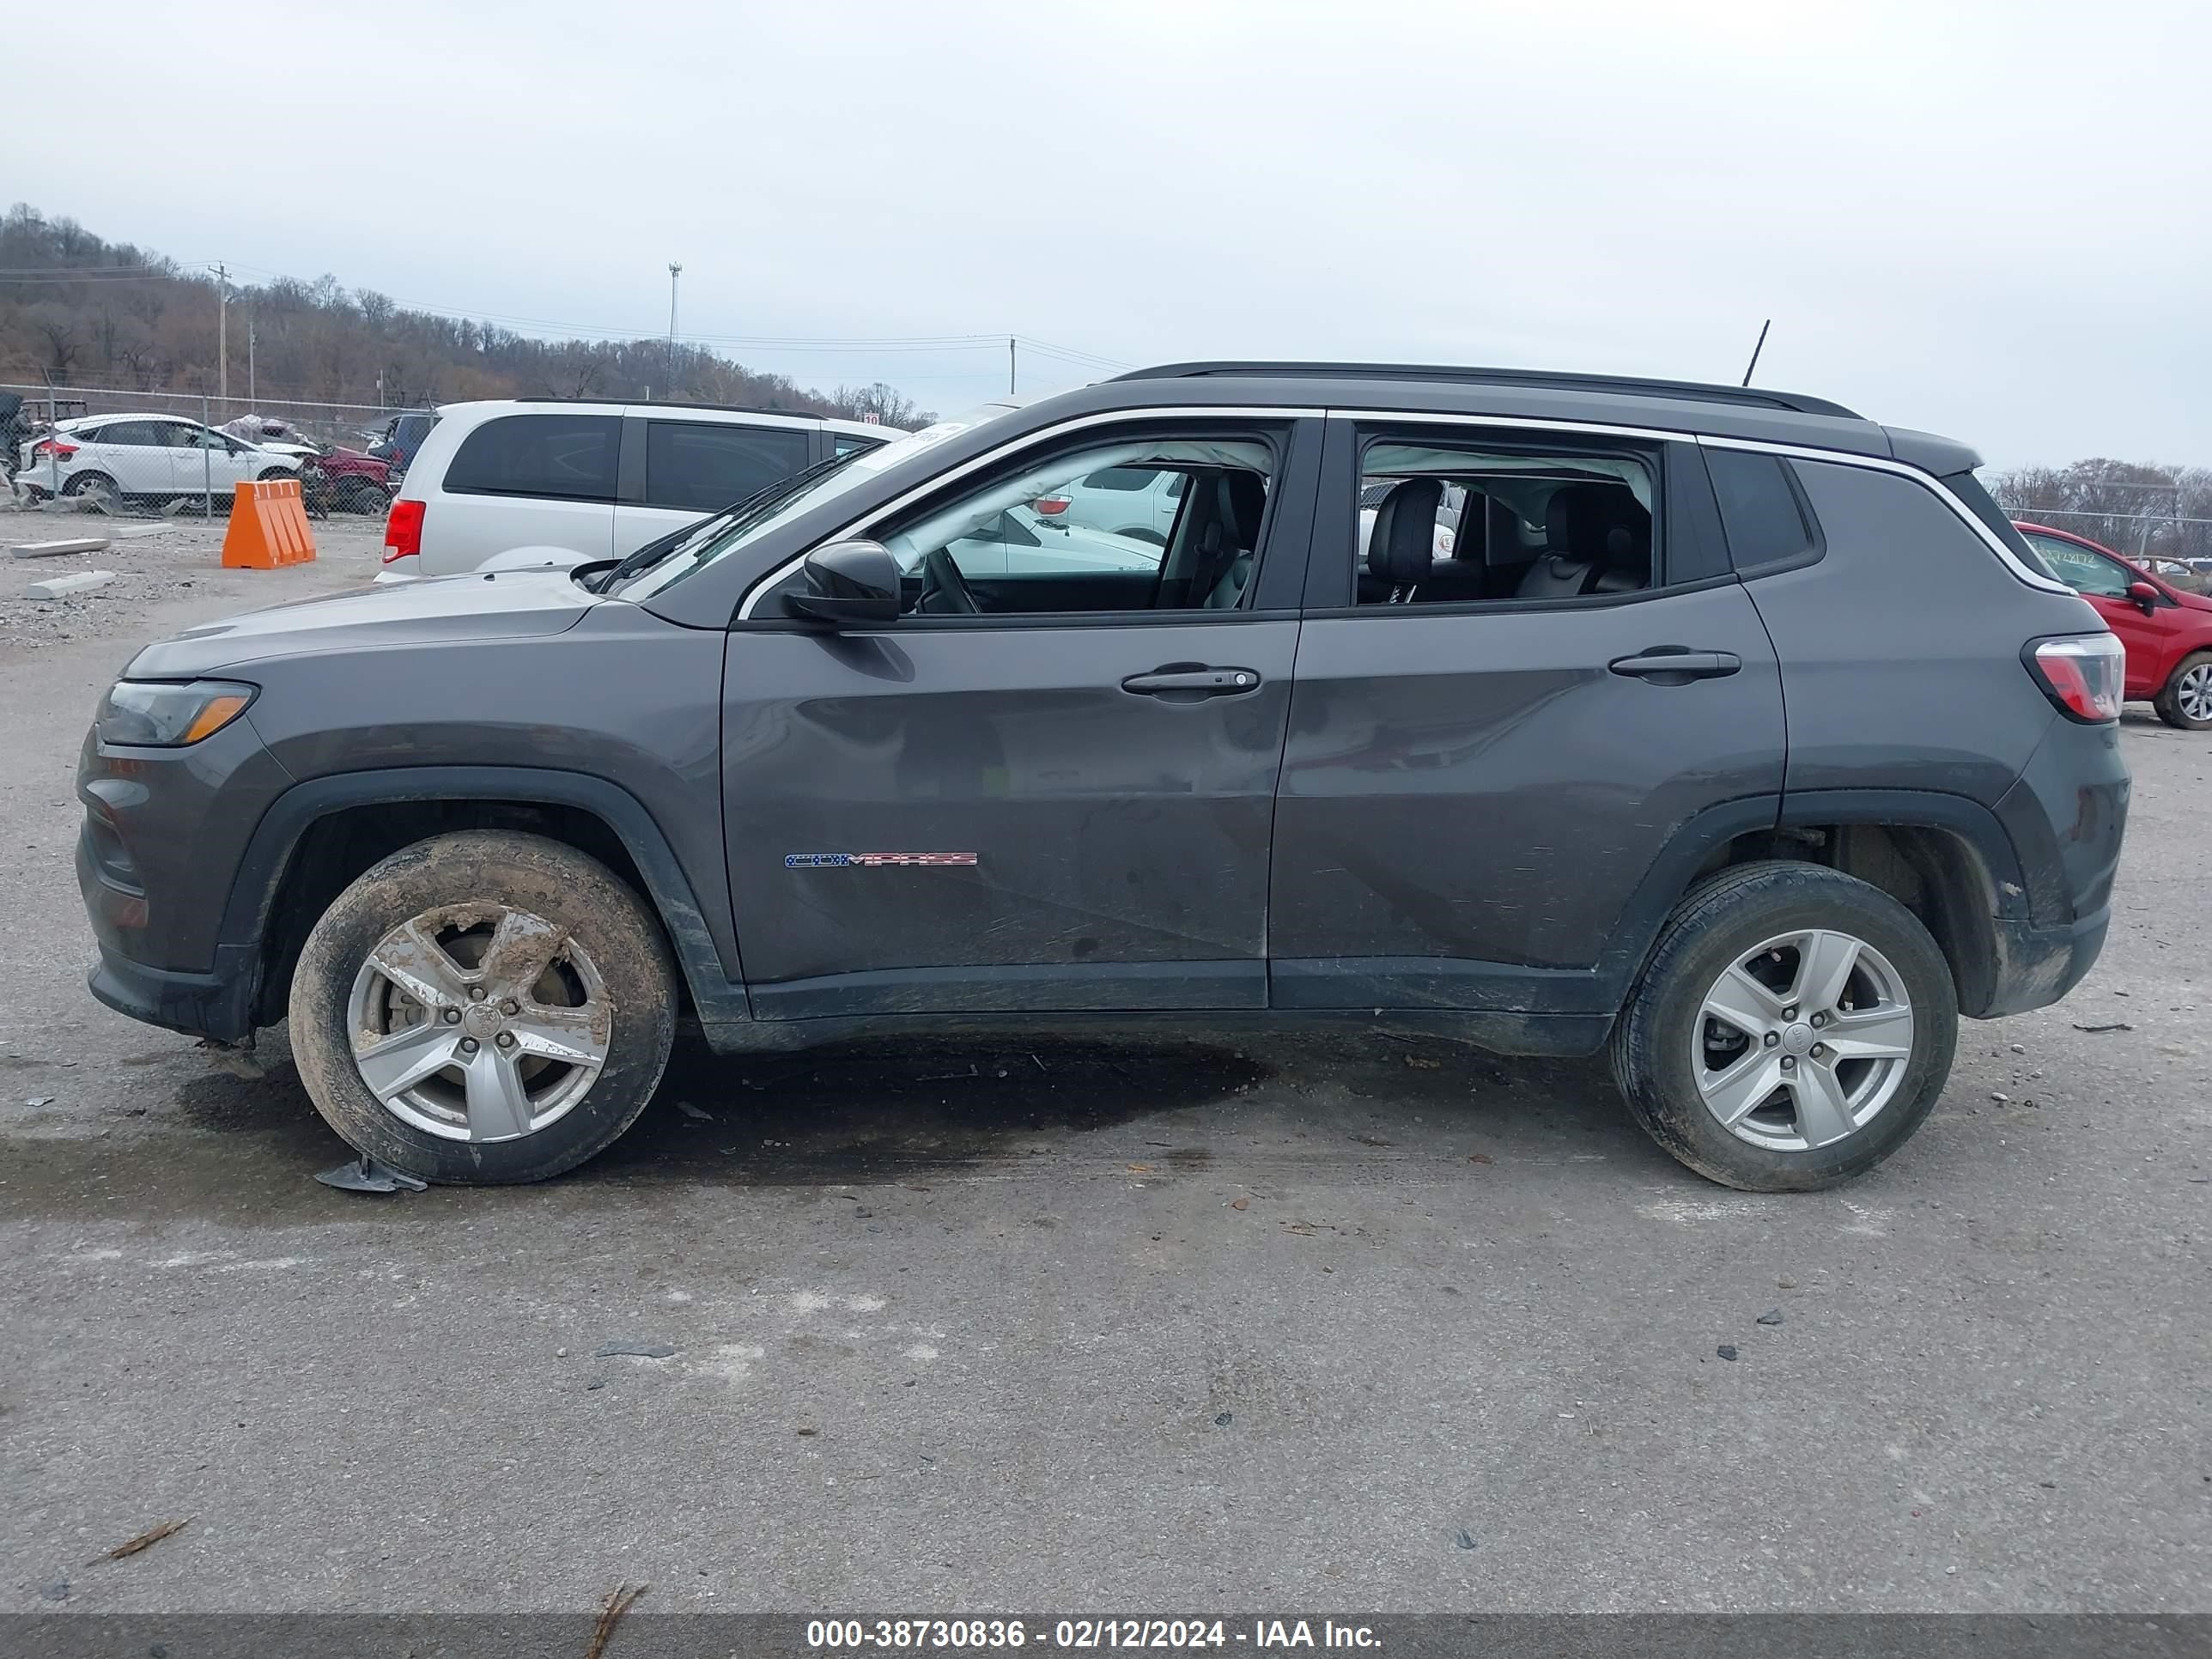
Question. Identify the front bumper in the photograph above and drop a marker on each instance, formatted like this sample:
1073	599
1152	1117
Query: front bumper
163	833
212	1004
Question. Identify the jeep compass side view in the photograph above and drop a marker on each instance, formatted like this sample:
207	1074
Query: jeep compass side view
1727	730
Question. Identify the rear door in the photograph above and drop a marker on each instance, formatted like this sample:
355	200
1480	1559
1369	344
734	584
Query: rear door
529	479
136	454
1482	791
690	464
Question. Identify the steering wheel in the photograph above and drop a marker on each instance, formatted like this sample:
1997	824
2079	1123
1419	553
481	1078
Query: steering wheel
942	581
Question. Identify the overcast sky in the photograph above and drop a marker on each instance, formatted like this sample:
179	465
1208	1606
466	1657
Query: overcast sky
1991	221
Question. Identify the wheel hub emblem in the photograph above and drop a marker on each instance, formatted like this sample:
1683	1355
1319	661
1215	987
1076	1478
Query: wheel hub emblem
480	1019
1797	1039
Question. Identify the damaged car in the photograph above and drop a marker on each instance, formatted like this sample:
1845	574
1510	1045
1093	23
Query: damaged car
1730	733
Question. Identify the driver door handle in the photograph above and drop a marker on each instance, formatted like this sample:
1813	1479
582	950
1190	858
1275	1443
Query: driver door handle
1675	665
1177	682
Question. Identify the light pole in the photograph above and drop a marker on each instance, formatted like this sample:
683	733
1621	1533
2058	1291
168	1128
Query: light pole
674	271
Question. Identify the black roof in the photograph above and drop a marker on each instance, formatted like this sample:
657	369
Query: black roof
1624	385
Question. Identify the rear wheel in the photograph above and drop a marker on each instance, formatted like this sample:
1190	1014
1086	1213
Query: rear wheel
484	1007
1793	1028
2185	700
91	484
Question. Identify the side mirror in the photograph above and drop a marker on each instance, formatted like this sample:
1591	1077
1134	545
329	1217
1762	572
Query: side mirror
853	582
2144	595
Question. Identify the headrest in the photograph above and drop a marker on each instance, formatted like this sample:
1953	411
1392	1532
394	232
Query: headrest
1401	549
1245	497
1598	524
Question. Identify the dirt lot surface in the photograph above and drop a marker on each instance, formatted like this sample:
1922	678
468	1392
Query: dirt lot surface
968	1325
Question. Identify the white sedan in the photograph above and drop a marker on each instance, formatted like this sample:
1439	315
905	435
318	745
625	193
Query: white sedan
144	457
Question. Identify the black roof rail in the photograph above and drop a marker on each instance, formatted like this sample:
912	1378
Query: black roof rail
1626	384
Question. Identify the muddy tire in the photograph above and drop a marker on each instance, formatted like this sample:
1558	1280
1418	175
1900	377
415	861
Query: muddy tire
2185	699
1792	1028
484	1007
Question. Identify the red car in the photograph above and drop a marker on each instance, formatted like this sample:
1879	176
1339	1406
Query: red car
2168	633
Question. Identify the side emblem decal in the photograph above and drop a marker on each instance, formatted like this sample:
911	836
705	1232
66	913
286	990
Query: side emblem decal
871	861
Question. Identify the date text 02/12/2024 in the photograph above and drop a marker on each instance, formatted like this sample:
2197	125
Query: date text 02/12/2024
1264	1636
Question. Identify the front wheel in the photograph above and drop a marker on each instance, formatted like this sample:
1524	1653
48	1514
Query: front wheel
2185	700
270	474
484	1007
1791	1031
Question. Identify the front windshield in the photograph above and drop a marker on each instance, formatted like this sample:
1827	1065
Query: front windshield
773	507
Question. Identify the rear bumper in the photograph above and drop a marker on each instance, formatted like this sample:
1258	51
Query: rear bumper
2037	966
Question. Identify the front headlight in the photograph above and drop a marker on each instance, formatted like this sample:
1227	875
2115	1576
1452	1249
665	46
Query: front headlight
167	714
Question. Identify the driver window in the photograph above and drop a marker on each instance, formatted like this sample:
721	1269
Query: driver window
1046	539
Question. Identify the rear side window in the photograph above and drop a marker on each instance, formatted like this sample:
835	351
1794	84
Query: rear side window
706	467
565	457
846	443
1760	514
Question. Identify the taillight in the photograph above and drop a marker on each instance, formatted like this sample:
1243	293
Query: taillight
403	531
1051	506
2084	674
54	447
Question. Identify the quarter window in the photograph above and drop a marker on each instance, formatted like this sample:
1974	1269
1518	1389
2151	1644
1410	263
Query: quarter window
707	466
566	457
1760	514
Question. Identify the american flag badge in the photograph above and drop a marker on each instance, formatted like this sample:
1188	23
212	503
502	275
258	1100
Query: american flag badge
876	861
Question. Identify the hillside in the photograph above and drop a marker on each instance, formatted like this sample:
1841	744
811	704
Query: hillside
77	310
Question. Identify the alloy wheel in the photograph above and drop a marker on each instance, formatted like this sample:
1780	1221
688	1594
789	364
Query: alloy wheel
479	1022
1802	1039
2192	693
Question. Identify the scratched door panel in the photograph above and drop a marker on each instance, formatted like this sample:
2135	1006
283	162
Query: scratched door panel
1030	836
1477	788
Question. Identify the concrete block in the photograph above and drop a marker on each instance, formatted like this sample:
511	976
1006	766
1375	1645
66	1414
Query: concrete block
61	587
56	549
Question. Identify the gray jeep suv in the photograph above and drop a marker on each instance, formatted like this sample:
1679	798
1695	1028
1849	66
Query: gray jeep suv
1735	732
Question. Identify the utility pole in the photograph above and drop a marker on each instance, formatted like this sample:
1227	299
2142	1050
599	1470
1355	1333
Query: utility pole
222	335
1010	365
674	271
250	398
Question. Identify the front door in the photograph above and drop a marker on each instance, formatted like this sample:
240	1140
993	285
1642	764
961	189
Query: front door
1490	753
1042	789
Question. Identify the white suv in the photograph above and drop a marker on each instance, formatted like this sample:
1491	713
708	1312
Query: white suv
144	457
571	481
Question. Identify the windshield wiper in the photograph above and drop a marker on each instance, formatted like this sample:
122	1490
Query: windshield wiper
747	510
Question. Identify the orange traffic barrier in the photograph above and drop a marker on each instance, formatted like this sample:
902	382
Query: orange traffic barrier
268	526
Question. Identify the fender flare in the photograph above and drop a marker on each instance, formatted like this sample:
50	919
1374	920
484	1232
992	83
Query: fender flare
1707	832
717	994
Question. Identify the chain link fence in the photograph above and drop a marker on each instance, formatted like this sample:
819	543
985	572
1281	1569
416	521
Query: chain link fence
109	451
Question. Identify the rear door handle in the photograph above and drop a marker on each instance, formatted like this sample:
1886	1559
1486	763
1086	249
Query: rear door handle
1675	665
1181	682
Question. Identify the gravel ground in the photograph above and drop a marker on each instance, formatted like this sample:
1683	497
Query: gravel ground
965	1326
157	562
